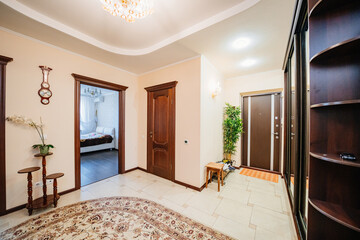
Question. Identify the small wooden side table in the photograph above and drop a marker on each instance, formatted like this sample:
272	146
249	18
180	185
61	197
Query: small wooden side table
215	167
55	176
29	205
45	200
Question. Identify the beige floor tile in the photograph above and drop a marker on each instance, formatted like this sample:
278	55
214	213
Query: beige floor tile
235	211
75	197
209	192
262	234
157	188
199	216
263	186
235	177
234	229
237	193
273	221
241	203
137	183
204	202
179	195
269	201
170	204
214	186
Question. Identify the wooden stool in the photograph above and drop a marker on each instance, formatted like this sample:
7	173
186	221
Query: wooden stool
55	176
215	167
29	205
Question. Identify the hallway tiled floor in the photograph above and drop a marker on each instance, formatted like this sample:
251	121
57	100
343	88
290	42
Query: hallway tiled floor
245	208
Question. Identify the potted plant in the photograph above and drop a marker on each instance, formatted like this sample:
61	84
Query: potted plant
44	148
232	127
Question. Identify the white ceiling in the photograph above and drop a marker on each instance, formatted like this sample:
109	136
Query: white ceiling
176	31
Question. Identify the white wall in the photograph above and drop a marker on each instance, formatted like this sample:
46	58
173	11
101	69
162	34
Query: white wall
108	114
23	82
211	133
255	82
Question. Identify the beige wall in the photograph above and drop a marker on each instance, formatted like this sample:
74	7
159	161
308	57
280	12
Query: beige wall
187	167
255	82
198	115
23	81
211	134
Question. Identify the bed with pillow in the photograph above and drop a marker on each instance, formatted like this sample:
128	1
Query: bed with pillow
103	138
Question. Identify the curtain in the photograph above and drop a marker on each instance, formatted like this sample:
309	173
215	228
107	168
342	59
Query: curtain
87	115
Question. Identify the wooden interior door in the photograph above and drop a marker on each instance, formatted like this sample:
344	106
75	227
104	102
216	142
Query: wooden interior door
262	128
161	130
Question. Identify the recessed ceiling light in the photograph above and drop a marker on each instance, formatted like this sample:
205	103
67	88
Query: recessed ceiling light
241	43
248	63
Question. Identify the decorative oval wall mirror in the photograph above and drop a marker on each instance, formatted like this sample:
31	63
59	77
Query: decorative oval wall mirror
44	92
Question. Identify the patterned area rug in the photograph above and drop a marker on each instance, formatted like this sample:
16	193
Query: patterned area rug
112	218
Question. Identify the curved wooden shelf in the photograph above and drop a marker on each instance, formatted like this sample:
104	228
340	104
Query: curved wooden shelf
39	202
348	217
337	103
54	176
323	6
334	158
350	46
28	170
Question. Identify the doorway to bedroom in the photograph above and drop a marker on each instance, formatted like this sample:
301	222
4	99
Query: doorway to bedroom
99	130
99	121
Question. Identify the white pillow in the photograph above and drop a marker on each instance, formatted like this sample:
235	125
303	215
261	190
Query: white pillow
109	131
100	129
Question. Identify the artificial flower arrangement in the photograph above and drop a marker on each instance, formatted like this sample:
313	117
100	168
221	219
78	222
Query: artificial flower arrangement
44	148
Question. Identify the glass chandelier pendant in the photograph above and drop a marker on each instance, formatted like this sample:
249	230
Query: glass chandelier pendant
129	10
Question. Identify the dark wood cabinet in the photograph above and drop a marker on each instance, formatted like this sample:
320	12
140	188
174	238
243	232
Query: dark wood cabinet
334	187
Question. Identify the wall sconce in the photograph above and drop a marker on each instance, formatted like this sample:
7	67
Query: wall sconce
216	91
44	92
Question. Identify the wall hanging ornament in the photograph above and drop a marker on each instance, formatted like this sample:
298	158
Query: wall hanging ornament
44	91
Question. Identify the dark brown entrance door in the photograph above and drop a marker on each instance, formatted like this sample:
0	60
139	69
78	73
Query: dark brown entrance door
161	130
262	128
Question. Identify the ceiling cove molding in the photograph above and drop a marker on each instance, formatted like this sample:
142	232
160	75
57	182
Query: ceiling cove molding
65	50
130	52
169	65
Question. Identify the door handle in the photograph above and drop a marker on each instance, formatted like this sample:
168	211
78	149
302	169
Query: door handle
151	134
275	133
292	134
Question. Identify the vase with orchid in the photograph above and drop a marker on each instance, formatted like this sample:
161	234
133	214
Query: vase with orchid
44	148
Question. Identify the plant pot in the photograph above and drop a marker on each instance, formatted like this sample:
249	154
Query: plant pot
44	150
228	156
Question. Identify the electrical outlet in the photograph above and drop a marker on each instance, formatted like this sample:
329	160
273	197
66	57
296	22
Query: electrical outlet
49	181
38	184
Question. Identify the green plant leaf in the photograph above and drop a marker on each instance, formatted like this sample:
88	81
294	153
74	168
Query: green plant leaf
232	127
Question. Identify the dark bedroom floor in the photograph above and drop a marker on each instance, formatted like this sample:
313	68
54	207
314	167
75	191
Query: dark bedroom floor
98	165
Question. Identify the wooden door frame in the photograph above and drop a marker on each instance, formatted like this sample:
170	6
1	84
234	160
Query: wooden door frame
163	86
3	62
254	94
79	79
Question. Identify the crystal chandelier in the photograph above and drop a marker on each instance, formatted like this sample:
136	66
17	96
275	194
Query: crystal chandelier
128	10
94	93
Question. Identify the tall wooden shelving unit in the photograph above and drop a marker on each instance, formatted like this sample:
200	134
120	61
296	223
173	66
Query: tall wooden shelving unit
334	188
